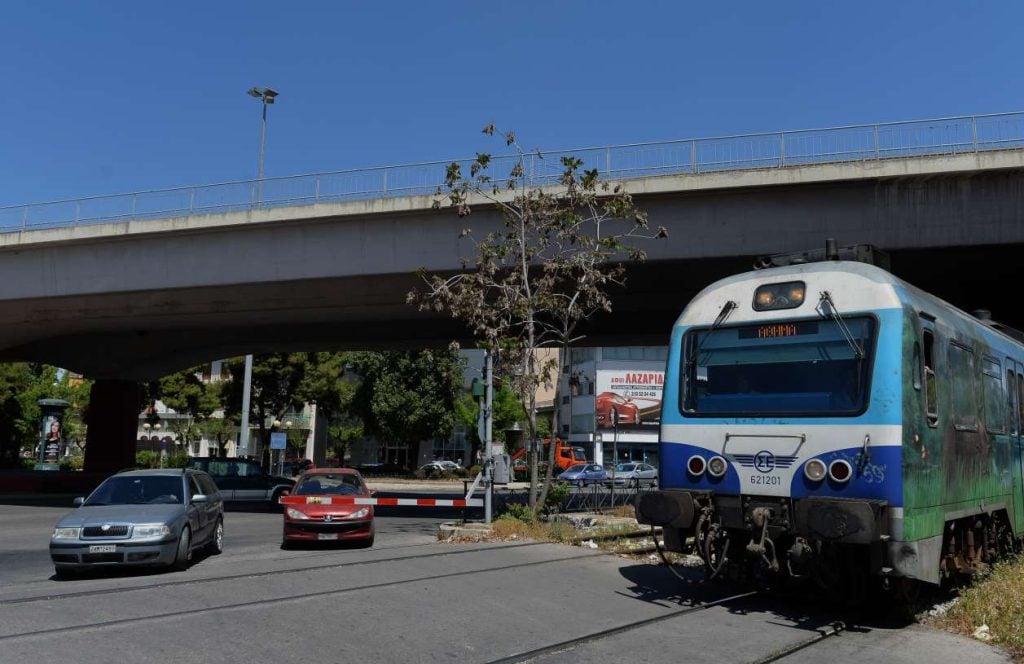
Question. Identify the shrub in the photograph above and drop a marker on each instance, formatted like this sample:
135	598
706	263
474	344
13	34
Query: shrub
72	463
176	460
556	495
147	459
520	512
474	470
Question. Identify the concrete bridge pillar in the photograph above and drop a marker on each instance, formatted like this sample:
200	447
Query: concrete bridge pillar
113	425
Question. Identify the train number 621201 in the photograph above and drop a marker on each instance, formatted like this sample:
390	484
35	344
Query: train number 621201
765	479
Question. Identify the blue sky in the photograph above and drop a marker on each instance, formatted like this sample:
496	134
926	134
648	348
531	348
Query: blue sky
120	96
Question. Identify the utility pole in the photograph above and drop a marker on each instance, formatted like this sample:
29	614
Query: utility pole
267	96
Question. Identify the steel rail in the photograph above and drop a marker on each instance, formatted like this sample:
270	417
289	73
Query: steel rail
614	631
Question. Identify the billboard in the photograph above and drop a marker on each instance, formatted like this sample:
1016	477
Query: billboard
634	394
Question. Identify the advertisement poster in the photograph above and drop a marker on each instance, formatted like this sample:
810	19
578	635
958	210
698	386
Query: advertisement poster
635	395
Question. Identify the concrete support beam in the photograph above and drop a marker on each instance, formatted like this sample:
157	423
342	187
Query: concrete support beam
113	425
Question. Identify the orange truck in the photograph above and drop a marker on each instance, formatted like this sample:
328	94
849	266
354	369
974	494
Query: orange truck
565	456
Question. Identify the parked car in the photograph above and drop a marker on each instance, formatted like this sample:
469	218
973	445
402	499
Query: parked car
584	473
295	468
311	513
633	473
153	517
244	480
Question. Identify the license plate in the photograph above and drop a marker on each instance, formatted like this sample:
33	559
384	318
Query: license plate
327	536
102	548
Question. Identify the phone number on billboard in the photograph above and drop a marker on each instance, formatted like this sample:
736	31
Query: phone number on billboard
640	393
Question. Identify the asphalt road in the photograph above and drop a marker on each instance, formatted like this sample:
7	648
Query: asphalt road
413	599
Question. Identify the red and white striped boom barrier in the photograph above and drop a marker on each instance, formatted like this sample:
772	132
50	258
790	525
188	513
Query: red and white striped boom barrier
397	502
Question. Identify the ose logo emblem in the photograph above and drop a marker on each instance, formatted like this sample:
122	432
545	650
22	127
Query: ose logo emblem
764	461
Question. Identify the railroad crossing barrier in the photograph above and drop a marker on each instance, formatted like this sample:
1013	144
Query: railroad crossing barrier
384	502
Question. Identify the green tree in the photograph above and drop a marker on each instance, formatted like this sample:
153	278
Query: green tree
406	397
551	264
22	384
222	430
276	381
185	392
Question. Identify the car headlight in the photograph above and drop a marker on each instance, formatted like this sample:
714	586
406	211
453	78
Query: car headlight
66	533
150	530
359	514
296	514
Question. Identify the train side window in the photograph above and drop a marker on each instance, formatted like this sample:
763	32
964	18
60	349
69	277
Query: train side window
1020	397
917	366
1011	401
931	396
992	395
962	388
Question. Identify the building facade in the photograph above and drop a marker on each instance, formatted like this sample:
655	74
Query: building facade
610	402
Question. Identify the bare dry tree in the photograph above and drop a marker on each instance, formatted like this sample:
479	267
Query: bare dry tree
551	264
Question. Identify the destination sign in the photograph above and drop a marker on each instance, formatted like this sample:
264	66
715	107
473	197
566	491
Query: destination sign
778	330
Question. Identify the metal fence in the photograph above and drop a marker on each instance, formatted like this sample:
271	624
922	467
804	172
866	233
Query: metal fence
871	142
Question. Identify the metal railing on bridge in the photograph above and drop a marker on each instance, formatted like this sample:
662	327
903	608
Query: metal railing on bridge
782	149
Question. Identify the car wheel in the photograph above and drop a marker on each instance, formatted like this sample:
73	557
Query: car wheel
286	545
216	544
64	573
184	554
367	543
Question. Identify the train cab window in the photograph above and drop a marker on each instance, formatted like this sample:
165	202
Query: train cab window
799	368
962	388
1011	402
930	389
992	394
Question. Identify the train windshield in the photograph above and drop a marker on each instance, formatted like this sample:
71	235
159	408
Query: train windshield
797	368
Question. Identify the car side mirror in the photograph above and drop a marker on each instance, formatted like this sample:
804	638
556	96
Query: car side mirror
77	502
200	498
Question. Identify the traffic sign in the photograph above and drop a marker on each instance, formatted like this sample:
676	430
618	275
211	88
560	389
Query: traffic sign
278	441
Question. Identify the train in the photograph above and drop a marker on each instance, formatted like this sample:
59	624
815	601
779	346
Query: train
824	420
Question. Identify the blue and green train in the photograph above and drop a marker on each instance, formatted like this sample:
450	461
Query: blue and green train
827	420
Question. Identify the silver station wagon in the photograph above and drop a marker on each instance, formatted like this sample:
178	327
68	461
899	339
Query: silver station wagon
141	517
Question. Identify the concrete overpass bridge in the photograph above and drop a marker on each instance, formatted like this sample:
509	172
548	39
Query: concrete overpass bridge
134	286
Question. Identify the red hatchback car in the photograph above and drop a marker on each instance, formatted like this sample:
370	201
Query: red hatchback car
325	506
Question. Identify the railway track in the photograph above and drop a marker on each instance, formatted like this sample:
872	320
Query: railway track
262	602
268	573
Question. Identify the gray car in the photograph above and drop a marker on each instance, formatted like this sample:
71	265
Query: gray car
141	517
633	473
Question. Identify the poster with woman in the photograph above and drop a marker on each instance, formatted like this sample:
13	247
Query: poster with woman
51	441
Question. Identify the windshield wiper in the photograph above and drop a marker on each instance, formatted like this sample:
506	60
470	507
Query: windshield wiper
828	308
726	309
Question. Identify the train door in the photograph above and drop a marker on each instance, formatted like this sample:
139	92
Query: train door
1015	387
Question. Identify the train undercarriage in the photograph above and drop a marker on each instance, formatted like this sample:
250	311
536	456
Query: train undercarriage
842	546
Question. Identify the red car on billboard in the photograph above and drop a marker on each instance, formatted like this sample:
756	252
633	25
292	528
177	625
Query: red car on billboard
629	411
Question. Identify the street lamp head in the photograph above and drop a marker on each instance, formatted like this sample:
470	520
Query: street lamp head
276	423
156	426
146	426
287	424
266	94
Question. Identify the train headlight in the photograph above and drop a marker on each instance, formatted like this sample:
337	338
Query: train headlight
840	470
815	470
787	295
717	466
696	465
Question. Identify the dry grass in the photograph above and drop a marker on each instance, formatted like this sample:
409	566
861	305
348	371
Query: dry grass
996	601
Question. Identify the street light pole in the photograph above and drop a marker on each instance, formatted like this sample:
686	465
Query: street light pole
267	96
